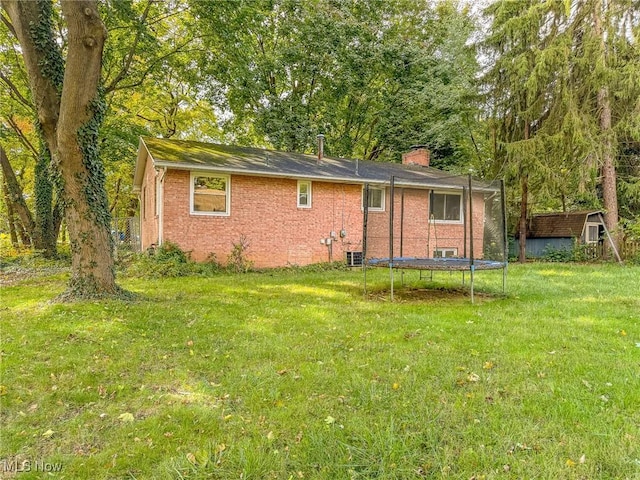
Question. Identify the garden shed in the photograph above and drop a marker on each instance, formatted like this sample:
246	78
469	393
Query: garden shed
561	231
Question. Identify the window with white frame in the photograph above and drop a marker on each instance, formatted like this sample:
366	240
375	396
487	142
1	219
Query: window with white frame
445	252
210	194
446	207
304	194
376	198
592	233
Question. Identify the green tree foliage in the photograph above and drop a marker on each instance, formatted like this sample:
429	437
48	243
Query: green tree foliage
563	97
28	154
373	77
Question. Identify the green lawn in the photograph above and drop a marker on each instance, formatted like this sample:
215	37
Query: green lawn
295	375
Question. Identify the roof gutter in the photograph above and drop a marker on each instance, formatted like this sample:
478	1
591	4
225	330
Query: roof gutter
359	180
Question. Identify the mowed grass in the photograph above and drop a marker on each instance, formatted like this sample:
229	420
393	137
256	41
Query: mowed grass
290	375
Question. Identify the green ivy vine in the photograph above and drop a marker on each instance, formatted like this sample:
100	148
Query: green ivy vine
42	34
95	180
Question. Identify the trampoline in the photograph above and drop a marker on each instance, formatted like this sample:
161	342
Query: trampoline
480	238
446	264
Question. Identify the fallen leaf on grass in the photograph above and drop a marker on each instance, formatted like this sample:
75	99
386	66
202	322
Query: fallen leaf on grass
570	463
473	377
126	417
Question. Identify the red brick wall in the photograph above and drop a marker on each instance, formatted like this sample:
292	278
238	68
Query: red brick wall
148	217
265	211
419	156
419	237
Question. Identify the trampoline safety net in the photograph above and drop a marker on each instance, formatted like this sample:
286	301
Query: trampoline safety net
458	224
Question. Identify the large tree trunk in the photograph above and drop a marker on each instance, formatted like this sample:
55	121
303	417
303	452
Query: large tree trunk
46	235
82	174
522	224
15	198
524	207
69	112
609	183
11	219
608	170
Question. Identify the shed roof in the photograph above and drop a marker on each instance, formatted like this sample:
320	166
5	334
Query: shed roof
192	155
558	225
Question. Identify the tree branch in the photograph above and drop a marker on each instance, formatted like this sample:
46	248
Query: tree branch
16	92
9	25
129	57
22	137
149	69
38	62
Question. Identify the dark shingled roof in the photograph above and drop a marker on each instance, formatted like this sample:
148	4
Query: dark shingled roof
558	225
191	155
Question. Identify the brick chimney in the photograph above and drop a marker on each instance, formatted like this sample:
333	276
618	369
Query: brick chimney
419	155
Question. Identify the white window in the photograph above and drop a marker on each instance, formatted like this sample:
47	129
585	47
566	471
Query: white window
445	253
446	207
210	194
376	199
304	194
592	232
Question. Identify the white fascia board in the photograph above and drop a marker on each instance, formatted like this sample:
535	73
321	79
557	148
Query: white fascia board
141	161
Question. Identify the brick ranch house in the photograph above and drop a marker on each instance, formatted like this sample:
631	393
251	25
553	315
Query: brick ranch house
296	209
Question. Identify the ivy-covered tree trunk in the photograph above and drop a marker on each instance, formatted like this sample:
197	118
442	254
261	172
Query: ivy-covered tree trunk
70	109
15	199
11	219
45	233
82	173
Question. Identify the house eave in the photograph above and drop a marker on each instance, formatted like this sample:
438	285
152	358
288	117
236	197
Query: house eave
141	161
318	178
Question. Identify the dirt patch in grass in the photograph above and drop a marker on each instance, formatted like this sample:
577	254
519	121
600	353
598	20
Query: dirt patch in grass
416	294
15	275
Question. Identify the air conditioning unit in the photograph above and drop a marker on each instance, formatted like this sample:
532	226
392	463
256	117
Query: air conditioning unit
354	259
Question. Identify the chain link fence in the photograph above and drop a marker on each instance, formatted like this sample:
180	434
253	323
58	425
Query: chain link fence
126	233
